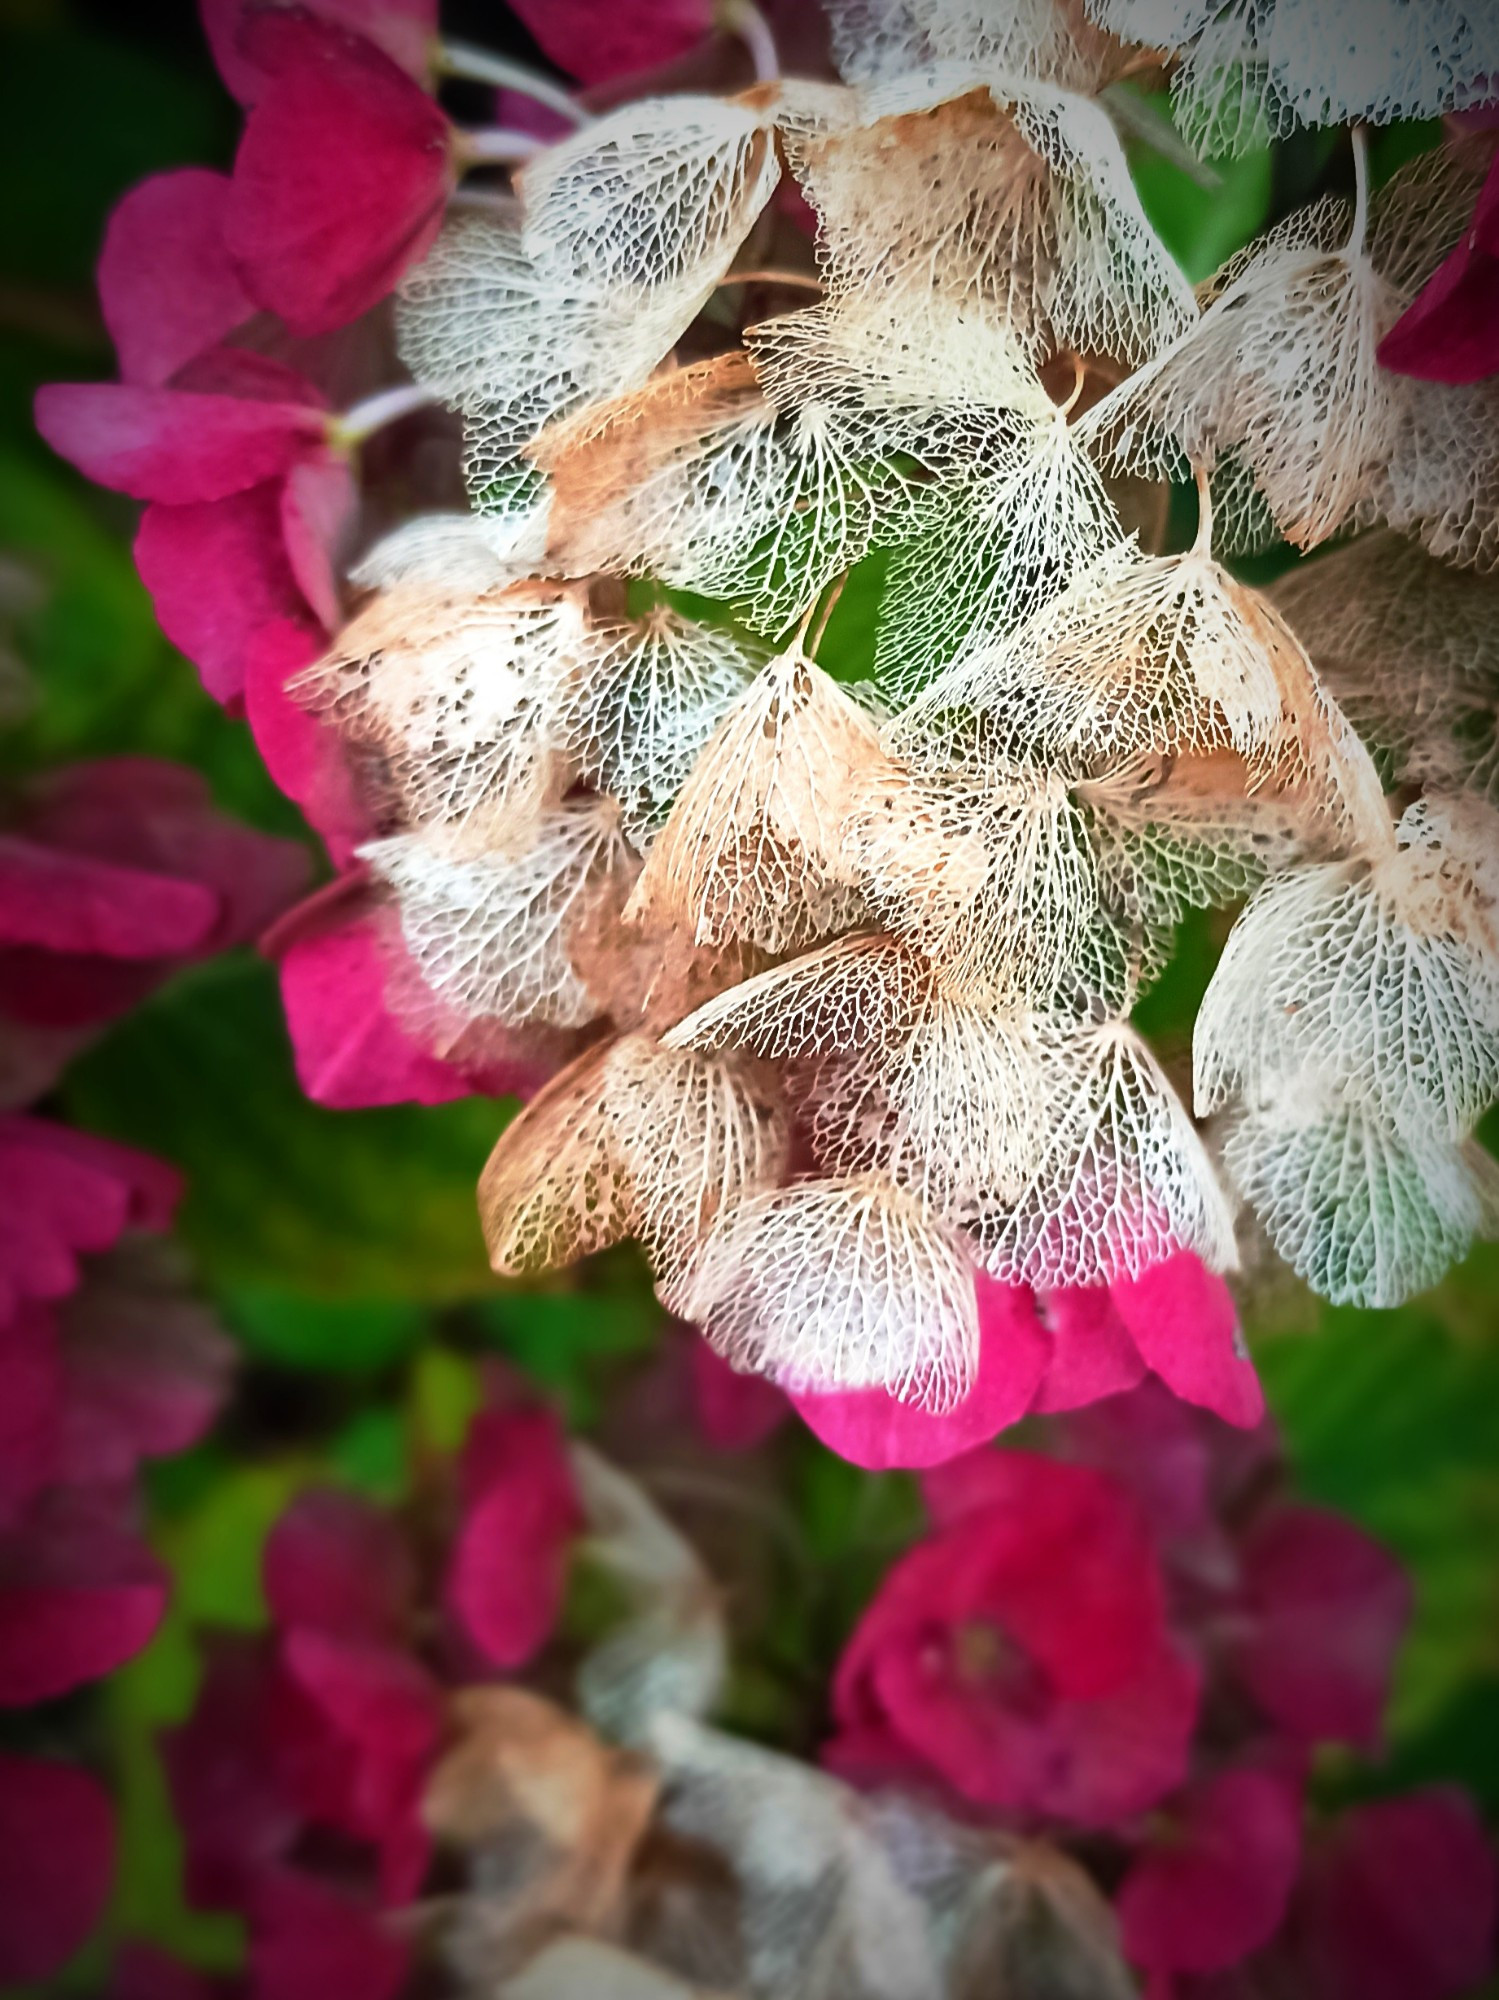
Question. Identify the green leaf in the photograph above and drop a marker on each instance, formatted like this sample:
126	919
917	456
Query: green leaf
284	1196
1201	226
339	1336
566	1339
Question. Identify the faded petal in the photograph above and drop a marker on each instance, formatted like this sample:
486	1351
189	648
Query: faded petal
57	1859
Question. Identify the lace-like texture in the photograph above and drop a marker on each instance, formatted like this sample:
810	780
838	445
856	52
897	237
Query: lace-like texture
837	943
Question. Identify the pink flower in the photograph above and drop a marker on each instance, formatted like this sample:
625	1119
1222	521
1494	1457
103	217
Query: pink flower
303	754
350	1049
116	873
141	1972
508	1563
167	287
1398	1904
57	1858
1324	1610
250	489
79	1594
1021	1652
734	1411
405	29
30	1409
875	1430
355	1725
235	1817
1450	333
342	172
1212	1882
310	1942
595	42
1057	1352
68	1193
335	1564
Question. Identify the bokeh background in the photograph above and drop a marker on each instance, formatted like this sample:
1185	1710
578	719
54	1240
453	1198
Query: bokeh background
342	1249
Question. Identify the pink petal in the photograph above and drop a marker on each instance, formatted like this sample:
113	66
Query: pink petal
303	754
1400	1904
166	284
30	1407
57	1861
355	1733
876	1431
341	174
350	1050
234	1816
595	43
1214	1885
334	1563
735	1412
317	505
172	445
218	575
310	1942
77	903
405	29
146	1370
1092	1354
78	1596
1184	1322
1061	1562
1326	1612
161	815
1450	333
1116	1757
69	1193
508	1564
1160	1448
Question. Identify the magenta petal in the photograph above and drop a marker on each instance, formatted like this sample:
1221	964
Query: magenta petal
309	1942
317	504
1326	1609
57	1859
172	445
335	1563
1400	1904
166	285
876	1431
69	1193
303	754
508	1564
1092	1354
734	1411
1215	1885
595	43
146	1371
1450	333
1184	1322
78	903
350	1050
217	574
78	1596
341	174
405	29
234	1815
30	1407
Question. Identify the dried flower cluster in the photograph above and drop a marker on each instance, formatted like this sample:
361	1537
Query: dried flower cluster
853	959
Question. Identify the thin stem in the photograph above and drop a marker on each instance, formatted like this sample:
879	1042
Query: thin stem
1360	189
830	605
482	66
388	406
495	146
1079	378
744	19
802	280
1203	544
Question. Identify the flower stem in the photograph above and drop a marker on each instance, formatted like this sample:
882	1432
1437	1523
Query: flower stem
481	66
1203	542
496	147
1360	229
744	19
387	406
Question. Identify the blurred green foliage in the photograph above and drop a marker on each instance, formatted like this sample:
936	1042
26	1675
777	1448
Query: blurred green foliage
343	1249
